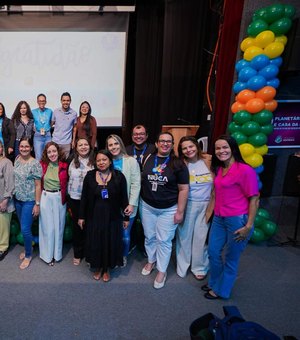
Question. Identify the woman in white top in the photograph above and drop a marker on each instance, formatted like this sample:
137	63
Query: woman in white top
83	162
191	248
131	170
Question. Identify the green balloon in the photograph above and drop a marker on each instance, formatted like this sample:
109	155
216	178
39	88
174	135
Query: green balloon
263	213
263	117
258	220
14	228
289	11
281	26
13	239
35	227
269	228
239	137
241	117
233	127
259	14
258	139
257	236
20	239
257	27
68	234
273	13
250	128
68	218
267	129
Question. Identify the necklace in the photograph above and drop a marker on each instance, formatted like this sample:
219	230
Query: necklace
158	168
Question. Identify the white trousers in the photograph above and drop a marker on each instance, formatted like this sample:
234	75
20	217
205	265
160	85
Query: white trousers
191	235
51	226
159	230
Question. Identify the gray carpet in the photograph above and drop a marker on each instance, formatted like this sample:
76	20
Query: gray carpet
64	302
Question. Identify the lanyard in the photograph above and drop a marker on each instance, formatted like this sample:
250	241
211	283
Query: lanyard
104	179
141	156
159	168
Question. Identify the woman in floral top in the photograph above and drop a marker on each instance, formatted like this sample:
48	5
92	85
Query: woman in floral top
28	172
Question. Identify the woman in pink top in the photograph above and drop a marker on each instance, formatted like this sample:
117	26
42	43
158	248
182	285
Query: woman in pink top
236	202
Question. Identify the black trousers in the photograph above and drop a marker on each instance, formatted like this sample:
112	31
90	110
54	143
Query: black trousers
79	235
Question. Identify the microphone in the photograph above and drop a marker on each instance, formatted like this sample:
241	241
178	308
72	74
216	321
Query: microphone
183	120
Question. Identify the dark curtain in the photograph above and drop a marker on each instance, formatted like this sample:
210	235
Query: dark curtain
225	66
170	67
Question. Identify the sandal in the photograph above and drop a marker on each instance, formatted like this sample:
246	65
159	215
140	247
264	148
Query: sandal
106	277
200	277
97	276
76	261
26	262
22	254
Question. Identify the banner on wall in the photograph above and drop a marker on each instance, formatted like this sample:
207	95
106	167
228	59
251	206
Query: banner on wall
286	122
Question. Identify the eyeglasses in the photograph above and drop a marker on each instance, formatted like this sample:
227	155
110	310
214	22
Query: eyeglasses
139	134
161	141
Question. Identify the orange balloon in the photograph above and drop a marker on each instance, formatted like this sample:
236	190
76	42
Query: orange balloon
245	95
255	105
267	93
271	105
237	106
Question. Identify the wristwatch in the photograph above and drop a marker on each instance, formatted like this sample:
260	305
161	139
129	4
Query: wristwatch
37	203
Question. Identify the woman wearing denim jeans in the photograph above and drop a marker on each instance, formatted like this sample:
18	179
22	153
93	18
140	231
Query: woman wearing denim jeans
165	186
28	173
236	202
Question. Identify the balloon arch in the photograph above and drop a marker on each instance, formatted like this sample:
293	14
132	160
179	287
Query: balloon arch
255	91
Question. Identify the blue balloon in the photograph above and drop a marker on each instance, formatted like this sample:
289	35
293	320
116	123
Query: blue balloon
246	73
259	169
259	62
276	61
240	64
269	72
260	185
256	83
239	86
275	82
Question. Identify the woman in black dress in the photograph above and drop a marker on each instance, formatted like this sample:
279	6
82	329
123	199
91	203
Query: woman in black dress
104	197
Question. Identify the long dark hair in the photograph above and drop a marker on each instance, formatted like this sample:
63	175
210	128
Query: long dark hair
76	154
175	162
61	155
16	117
236	153
108	155
3	110
87	122
194	141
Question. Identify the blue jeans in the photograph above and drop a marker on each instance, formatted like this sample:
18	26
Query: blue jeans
126	237
39	143
24	212
159	229
223	272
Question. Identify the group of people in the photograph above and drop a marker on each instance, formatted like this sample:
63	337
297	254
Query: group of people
207	204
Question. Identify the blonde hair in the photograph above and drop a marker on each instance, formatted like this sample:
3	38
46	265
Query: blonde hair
120	141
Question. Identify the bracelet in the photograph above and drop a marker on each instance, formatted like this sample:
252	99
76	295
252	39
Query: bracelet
37	203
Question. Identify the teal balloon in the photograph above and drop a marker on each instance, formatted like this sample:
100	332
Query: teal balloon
259	14
239	137
257	27
281	26
257	236
258	220
233	127
250	128
267	129
241	117
263	213
289	11
269	228
263	117
258	139
273	13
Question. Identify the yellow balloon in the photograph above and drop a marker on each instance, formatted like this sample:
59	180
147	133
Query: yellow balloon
282	39
246	150
247	42
262	150
264	38
255	160
252	52
274	49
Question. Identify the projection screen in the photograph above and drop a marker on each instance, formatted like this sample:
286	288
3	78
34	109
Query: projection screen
83	54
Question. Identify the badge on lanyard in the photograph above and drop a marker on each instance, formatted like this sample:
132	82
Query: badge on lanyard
154	186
